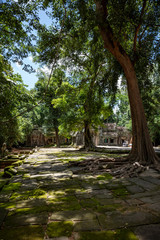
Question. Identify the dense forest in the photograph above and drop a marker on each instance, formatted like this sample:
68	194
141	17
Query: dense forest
103	65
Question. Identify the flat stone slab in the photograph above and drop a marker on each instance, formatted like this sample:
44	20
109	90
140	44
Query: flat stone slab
150	173
144	184
22	220
114	220
77	215
134	189
31	203
87	226
155	207
33	232
148	232
58	238
101	193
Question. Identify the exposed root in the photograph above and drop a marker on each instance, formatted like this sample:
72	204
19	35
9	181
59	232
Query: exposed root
118	167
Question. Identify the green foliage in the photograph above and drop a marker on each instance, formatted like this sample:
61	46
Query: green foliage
122	113
14	100
17	22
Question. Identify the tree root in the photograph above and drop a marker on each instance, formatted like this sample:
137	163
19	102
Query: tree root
117	167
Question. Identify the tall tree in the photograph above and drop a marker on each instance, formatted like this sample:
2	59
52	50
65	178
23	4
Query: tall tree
45	92
129	30
135	35
82	108
86	68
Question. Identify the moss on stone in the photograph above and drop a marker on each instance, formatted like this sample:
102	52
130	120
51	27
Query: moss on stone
123	234
1	174
120	192
8	205
16	196
109	207
22	211
37	193
58	229
68	206
89	203
3	182
11	187
22	233
105	176
18	163
26	175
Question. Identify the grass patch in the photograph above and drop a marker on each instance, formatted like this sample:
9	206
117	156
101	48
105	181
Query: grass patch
58	229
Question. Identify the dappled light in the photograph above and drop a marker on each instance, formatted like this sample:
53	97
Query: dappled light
49	191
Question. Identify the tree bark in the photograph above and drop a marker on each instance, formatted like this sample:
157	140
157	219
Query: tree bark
88	142
142	149
57	137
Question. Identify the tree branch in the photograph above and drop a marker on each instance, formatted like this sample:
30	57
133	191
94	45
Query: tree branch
139	25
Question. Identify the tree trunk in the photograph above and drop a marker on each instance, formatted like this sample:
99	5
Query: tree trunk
88	142
142	149
57	137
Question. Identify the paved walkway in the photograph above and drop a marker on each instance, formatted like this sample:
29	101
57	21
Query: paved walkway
47	199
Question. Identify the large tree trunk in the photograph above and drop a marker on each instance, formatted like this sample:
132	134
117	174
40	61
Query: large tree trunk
88	142
57	137
142	149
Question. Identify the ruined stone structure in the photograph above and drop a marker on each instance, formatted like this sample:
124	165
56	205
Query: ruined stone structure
38	138
110	134
113	135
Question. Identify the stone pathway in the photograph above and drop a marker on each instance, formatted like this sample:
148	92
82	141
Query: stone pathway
49	200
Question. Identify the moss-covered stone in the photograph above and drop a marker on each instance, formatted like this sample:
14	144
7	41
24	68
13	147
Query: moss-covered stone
109	207
58	229
105	176
89	203
11	170
37	193
120	192
65	203
39	209
12	156
12	187
22	233
26	175
18	163
108	235
1	174
2	183
8	205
